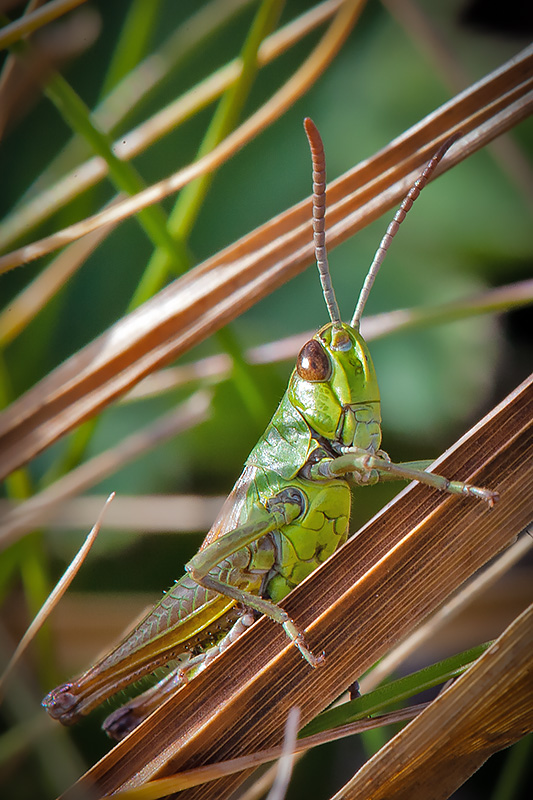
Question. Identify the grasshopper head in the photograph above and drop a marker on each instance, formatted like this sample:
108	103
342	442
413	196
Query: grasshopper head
335	389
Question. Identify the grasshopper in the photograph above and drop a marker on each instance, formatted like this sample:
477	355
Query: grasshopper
288	511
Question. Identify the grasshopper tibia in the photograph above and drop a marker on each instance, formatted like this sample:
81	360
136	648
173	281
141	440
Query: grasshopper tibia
361	465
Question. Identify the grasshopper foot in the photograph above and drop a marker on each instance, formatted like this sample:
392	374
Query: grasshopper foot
121	722
297	637
487	495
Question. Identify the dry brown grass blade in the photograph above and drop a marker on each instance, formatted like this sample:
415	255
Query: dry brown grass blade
212	294
138	139
487	709
370	594
218	366
38	508
35	20
447	612
426	632
159	788
26	305
55	595
157	513
283	99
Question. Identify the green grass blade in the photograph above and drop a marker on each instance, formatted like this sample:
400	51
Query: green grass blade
394	692
188	204
133	42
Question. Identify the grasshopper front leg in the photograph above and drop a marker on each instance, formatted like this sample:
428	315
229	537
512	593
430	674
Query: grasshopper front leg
367	467
283	509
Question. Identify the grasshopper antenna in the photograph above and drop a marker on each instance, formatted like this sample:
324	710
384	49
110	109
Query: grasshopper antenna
397	220
319	225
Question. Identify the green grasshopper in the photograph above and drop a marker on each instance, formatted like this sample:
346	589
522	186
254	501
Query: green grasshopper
288	511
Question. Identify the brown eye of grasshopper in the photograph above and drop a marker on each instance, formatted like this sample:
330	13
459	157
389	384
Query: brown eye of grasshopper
313	363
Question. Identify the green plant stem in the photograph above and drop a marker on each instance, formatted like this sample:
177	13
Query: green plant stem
27	557
124	176
74	454
122	173
37	585
116	106
187	206
189	202
224	119
132	45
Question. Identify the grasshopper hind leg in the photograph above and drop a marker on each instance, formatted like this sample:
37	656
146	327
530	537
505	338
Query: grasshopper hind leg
125	719
122	721
281	509
267	608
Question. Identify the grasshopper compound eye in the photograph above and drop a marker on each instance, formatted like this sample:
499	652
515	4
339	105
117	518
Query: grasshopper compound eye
313	362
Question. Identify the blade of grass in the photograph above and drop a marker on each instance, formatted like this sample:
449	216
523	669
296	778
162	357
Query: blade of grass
55	595
36	509
487	109
228	109
189	201
286	761
216	368
139	23
201	775
479	584
124	176
134	88
456	734
163	260
145	513
27	559
394	692
33	298
36	19
37	209
341	718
